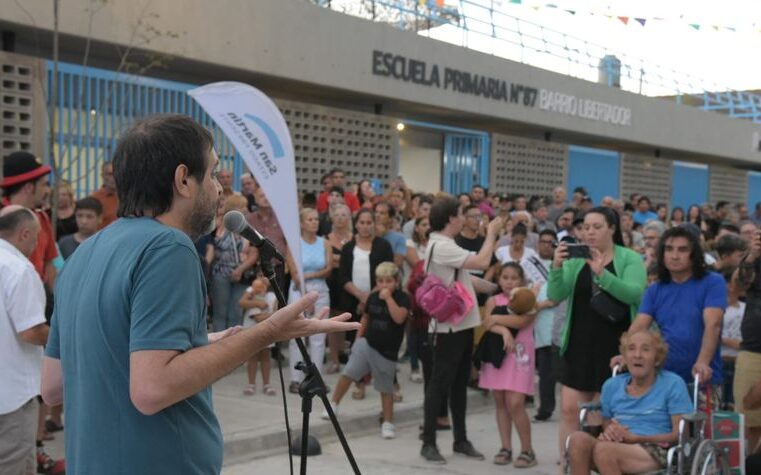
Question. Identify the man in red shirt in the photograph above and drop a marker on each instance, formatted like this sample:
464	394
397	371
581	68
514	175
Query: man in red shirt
107	195
338	178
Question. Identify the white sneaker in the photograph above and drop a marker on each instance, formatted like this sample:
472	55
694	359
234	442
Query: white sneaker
325	415
388	431
416	377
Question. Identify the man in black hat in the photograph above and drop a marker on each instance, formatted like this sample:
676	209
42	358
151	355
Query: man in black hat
25	183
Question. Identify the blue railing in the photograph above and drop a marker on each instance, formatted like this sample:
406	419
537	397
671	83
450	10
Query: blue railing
95	105
478	25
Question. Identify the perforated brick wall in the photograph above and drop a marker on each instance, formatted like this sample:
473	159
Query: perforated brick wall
531	167
727	184
648	176
22	119
363	145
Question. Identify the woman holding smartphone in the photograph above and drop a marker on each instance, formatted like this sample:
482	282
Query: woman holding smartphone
589	339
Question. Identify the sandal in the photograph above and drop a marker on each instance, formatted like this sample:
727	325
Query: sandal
526	459
269	390
294	387
503	457
250	390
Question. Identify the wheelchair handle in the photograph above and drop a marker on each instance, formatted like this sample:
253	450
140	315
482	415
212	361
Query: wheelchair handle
696	391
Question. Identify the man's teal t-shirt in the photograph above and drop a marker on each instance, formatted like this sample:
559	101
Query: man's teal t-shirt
136	285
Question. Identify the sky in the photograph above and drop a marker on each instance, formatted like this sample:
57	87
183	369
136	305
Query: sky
666	56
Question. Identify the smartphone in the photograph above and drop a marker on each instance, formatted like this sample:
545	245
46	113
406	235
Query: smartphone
578	250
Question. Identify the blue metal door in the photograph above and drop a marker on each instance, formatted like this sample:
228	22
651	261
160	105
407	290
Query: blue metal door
689	184
466	162
594	169
754	190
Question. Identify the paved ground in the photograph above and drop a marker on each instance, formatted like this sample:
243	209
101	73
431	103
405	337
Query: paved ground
253	428
377	456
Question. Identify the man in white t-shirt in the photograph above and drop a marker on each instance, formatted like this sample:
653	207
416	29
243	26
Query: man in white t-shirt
453	344
23	331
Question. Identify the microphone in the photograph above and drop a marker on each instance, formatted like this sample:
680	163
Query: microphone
235	222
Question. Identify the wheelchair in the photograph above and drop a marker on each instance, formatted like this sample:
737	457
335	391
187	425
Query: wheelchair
693	454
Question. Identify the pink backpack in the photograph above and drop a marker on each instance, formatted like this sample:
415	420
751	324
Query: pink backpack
446	304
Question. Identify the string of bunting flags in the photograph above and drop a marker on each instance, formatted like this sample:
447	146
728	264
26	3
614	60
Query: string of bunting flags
625	19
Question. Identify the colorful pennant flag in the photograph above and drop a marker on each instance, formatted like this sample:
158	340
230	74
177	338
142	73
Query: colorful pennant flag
623	19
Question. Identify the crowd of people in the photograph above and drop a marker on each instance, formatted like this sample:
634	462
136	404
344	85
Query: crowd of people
603	275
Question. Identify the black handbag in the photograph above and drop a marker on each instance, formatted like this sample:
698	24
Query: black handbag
610	308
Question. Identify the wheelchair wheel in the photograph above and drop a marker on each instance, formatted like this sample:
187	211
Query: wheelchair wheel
709	459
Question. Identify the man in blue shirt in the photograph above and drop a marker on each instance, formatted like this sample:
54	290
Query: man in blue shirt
644	212
384	216
687	302
128	334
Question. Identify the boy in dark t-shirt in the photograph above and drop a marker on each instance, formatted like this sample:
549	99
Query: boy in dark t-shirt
377	346
89	214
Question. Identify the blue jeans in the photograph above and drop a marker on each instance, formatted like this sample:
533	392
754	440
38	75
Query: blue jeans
224	299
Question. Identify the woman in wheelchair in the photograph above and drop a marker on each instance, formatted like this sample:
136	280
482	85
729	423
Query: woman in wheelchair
640	410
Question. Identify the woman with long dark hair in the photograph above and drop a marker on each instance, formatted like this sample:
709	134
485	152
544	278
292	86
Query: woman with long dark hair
359	258
695	216
366	194
589	339
677	216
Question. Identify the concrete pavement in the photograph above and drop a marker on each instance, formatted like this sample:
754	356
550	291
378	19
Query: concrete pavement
376	456
254	428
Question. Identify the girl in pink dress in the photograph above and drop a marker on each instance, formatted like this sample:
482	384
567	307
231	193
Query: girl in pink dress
513	379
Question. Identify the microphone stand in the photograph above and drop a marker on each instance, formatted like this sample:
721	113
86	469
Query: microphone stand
312	385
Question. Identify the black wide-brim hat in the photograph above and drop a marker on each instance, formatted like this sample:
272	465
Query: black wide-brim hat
21	167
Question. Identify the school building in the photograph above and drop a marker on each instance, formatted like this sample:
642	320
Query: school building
374	97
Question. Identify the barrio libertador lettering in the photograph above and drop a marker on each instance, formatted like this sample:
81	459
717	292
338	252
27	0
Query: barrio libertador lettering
420	72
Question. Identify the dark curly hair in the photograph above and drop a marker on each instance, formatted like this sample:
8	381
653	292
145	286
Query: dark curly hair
697	257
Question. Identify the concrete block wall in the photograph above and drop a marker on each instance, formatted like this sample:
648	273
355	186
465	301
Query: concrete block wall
727	184
22	107
646	175
363	145
531	167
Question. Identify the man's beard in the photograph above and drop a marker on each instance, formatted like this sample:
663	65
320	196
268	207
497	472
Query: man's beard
201	220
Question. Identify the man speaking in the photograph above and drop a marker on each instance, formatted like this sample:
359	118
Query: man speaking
128	351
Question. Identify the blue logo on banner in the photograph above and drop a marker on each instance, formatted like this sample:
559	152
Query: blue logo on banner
277	147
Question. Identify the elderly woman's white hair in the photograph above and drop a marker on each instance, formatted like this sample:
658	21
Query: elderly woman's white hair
656	226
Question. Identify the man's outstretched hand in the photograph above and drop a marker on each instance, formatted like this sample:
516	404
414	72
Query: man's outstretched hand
289	321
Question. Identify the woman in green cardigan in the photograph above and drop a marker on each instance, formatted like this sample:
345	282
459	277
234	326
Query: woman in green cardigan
589	340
